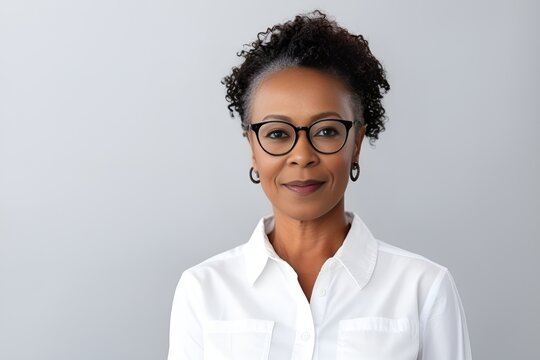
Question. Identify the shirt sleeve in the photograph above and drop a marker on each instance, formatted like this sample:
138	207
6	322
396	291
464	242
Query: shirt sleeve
443	326
185	335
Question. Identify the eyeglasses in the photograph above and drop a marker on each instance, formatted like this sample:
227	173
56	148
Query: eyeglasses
327	136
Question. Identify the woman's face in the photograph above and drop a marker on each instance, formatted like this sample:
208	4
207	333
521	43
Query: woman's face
302	96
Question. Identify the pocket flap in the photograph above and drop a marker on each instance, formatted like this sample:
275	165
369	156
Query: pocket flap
239	326
244	339
382	324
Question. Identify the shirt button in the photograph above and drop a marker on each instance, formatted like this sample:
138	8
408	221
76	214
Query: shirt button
305	336
322	292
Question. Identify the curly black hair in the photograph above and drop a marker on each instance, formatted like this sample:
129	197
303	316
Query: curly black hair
312	40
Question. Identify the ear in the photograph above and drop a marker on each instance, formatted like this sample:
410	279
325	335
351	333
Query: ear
250	142
359	136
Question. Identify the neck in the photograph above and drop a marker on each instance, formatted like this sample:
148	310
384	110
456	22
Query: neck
299	241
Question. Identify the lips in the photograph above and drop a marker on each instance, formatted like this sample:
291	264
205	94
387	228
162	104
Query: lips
304	187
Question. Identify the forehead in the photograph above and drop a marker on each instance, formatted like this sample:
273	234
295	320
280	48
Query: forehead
300	93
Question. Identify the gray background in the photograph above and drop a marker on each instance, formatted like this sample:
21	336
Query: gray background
120	166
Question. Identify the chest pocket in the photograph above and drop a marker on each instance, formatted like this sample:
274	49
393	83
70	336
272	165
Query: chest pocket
377	338
247	339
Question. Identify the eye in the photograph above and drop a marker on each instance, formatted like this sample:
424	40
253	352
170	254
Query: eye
327	132
277	134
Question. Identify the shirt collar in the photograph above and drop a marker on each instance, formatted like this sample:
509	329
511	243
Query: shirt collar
358	253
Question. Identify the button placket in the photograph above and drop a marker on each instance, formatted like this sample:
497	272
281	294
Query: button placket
320	291
304	343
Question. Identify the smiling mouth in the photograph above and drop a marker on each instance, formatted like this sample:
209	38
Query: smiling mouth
304	187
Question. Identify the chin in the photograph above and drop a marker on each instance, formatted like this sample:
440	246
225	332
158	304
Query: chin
304	212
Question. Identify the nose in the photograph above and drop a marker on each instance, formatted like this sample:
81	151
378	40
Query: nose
303	154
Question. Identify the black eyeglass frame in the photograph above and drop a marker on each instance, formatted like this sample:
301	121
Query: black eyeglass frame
347	123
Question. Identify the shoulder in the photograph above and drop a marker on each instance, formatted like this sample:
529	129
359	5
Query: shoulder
408	269
229	262
397	254
392	260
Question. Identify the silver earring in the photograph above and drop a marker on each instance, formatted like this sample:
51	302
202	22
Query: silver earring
355	171
253	180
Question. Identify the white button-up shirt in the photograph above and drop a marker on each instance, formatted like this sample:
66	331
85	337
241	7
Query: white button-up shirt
371	300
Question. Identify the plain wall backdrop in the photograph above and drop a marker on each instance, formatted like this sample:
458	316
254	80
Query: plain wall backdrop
120	165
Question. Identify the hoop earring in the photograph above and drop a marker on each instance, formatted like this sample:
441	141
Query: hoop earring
355	171
253	180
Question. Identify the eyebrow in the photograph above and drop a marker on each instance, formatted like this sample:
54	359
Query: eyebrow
314	117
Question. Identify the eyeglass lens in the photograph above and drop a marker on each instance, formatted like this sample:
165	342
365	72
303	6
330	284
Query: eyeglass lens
327	136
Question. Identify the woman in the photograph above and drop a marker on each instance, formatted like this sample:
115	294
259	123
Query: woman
312	282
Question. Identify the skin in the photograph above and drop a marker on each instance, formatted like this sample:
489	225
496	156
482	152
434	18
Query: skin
309	229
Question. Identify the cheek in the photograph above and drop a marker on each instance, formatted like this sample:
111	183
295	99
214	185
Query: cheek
342	161
269	176
340	169
268	166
